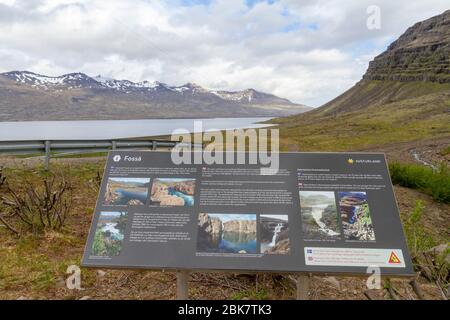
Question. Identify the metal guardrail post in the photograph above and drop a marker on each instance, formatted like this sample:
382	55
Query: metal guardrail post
47	155
155	145
114	145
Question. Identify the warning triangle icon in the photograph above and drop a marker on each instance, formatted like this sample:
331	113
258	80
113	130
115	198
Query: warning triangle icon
394	258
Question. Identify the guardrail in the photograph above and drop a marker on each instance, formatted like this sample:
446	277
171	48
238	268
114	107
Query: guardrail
77	147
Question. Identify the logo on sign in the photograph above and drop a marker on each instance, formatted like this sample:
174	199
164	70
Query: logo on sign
117	158
394	258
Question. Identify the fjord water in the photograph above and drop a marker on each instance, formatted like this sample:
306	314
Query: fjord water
115	129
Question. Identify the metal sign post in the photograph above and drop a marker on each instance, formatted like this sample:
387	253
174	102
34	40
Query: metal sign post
303	287
182	285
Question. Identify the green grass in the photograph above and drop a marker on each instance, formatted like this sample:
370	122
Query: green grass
36	263
436	183
28	265
251	294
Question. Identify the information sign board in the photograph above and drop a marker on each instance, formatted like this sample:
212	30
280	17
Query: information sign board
321	212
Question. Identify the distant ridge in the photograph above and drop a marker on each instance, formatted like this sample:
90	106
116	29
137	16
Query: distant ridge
26	95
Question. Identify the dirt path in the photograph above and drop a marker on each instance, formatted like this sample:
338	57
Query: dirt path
425	152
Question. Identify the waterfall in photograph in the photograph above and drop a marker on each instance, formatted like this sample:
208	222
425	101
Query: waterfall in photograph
275	234
317	212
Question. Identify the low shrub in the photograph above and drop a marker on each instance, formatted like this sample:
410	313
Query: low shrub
37	206
436	183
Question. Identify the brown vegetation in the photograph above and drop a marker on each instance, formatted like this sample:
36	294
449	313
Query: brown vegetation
38	207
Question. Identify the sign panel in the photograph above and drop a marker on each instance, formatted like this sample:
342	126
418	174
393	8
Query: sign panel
321	212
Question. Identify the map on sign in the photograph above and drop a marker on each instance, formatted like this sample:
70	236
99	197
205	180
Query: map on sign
320	212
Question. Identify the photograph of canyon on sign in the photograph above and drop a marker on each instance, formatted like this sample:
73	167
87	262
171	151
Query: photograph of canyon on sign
126	191
227	233
103	103
173	192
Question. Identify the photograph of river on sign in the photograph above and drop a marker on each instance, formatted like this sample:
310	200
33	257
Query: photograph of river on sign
355	216
227	233
109	234
319	215
274	234
173	192
126	191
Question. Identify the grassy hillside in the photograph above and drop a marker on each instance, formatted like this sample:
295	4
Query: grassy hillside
370	114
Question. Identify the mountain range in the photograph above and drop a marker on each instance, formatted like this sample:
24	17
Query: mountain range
403	97
26	96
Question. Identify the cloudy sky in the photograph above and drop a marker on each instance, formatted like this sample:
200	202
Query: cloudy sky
307	51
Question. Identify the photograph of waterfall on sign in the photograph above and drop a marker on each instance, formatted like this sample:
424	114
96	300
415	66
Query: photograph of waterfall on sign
319	215
274	234
126	191
109	234
355	216
173	192
227	233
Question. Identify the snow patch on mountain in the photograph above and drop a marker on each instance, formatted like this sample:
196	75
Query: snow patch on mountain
192	88
238	96
33	78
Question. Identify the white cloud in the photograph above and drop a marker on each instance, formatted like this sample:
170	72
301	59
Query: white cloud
307	51
7	2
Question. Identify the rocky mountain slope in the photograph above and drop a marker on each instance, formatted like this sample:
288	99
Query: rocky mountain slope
418	63
29	96
422	53
404	96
